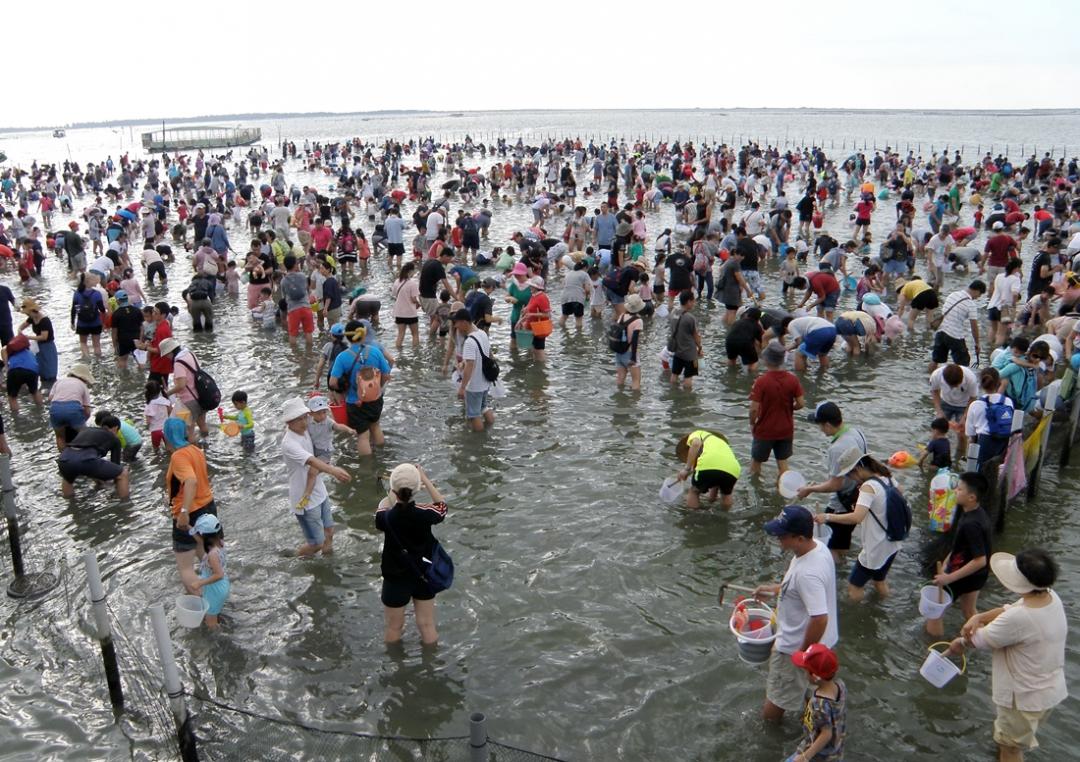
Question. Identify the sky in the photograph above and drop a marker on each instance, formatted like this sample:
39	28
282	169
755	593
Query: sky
202	58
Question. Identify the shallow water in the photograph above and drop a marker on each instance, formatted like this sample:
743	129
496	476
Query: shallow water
583	620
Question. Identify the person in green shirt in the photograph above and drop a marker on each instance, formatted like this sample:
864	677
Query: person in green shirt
712	466
243	418
130	439
519	295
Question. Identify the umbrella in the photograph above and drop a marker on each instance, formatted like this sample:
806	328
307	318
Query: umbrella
127	215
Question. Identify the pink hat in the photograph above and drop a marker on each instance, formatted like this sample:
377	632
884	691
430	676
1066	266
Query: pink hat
520	269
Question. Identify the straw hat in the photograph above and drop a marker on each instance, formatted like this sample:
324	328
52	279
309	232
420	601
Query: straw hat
82	372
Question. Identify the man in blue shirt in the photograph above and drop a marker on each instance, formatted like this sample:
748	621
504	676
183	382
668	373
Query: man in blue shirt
363	415
604	226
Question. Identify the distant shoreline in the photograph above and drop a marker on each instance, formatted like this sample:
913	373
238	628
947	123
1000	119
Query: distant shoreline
427	112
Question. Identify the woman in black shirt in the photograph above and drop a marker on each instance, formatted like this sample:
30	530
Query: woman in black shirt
407	541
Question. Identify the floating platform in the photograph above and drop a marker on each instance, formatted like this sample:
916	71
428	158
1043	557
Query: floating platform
190	138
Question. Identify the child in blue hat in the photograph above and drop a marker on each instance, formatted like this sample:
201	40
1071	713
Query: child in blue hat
212	583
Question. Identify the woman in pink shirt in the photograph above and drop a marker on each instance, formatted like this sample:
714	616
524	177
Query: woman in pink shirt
131	287
406	293
69	403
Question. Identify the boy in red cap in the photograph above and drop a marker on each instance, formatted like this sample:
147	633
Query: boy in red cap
825	716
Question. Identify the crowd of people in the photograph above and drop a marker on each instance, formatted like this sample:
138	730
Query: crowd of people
736	241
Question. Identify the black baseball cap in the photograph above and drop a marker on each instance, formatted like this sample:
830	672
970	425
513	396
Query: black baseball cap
826	412
794	519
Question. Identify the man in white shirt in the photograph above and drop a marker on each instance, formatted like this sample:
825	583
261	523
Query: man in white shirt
279	220
952	389
805	609
959	313
308	497
435	222
939	246
474	386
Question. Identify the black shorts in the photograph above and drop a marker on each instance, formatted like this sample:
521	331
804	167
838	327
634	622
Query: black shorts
680	367
746	352
398	591
860	575
539	344
17	378
74	463
124	347
760	449
88	330
156	268
362	417
395	249
704	481
968	584
945	345
182	540
406	321
841	535
927	300
993	314
577	309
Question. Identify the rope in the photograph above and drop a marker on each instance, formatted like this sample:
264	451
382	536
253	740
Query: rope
313	729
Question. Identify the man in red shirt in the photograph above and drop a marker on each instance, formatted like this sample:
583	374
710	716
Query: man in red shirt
1000	248
774	398
160	366
824	286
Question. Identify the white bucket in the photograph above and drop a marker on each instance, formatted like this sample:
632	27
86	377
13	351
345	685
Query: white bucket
822	532
938	670
671	490
789	484
929	606
190	610
755	645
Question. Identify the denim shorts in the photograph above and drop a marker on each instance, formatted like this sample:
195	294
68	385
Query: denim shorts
613	297
753	279
845	327
315	521
953	412
69	414
475	404
623	359
831	300
818	342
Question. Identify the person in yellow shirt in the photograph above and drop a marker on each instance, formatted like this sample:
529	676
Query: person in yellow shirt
916	296
711	466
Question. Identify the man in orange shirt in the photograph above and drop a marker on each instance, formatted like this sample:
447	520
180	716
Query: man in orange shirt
187	485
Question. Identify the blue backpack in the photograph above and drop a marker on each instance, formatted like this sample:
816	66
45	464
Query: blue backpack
999	416
897	513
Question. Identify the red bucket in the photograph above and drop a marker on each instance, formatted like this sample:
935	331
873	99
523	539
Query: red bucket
339	413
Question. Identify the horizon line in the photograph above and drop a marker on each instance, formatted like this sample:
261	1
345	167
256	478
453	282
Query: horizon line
88	124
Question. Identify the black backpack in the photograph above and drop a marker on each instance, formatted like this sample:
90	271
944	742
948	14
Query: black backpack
206	389
87	312
488	365
618	340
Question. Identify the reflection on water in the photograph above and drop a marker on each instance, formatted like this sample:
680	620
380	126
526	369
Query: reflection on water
583	620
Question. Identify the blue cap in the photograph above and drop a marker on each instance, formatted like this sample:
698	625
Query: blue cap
871	299
337	329
794	519
121	296
206	524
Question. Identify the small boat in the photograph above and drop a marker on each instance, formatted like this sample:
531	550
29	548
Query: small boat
208	136
58	133
457	114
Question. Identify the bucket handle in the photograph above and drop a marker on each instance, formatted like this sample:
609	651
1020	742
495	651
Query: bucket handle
963	657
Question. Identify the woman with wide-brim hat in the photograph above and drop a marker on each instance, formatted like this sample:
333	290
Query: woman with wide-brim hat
69	403
45	336
1027	639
